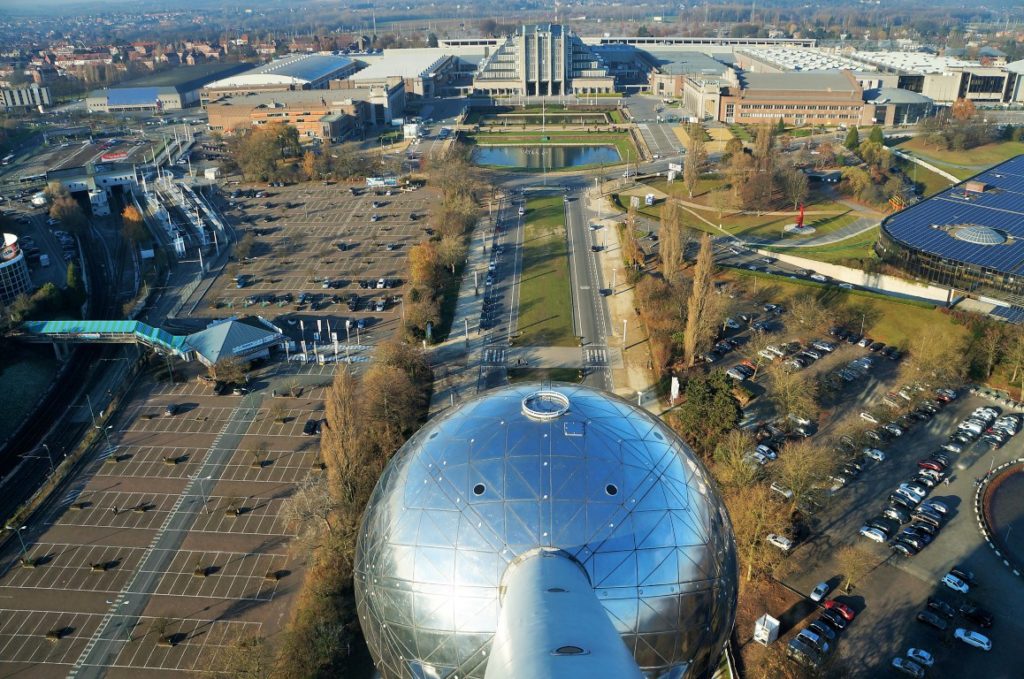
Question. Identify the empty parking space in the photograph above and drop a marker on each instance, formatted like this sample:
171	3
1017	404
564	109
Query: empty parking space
179	508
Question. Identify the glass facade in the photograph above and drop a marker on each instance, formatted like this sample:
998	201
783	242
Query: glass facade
963	276
14	279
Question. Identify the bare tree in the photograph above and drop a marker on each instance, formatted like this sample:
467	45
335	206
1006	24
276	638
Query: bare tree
758	343
309	511
792	393
700	326
794	185
230	369
754	515
696	157
854	563
733	469
990	345
670	248
935	358
803	466
809	314
245	657
1014	357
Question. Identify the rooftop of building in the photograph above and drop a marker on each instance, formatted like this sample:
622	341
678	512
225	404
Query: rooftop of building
308	67
804	81
914	63
802	58
411	63
894	95
686	63
981	228
292	98
184	78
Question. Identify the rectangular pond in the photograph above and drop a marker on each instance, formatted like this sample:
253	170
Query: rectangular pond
551	157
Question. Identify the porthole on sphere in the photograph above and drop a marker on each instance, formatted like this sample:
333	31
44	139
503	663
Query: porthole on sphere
611	489
479	489
569	650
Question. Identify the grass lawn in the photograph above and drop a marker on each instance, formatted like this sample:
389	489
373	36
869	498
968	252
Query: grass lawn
886	319
856	247
545	300
988	154
740	132
930	182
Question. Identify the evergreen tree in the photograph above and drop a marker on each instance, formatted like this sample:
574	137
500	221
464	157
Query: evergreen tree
852	138
876	135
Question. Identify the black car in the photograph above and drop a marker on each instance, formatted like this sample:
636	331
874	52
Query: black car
932	620
312	427
876	346
964	574
900	501
941	607
884	524
925	525
977	614
822	629
834	619
903	547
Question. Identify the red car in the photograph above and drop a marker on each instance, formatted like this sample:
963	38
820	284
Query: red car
841	609
930	464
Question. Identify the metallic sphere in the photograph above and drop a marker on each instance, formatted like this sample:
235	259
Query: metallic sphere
559	466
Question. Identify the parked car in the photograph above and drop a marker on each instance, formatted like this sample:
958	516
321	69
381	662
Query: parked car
932	620
834	619
977	614
955	583
171	410
972	638
941	607
841	608
964	574
875	454
780	541
819	591
311	427
908	667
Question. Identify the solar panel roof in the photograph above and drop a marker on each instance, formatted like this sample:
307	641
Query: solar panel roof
132	96
930	225
307	67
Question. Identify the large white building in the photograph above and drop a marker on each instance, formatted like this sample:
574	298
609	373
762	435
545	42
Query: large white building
293	72
14	278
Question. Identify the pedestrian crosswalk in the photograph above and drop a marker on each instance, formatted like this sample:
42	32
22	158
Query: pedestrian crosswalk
494	356
596	357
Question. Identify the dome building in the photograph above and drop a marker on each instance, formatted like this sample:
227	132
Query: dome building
546	531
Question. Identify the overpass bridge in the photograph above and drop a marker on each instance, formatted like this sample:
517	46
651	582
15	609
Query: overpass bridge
248	338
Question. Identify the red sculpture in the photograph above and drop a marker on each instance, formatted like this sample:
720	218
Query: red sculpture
800	218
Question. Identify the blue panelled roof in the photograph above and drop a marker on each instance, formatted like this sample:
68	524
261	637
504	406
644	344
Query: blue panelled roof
154	336
132	96
933	224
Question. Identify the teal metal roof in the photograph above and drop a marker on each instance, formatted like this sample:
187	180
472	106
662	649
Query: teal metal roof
145	333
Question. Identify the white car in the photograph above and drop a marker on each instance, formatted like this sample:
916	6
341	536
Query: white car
780	541
869	417
759	458
912	490
875	454
820	591
953	447
955	583
972	638
873	534
921	657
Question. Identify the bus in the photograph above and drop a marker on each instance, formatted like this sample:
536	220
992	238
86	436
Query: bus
7	159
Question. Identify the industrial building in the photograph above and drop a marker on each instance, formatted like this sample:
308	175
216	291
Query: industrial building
293	72
23	98
427	72
14	278
169	90
543	60
943	79
823	98
324	115
969	237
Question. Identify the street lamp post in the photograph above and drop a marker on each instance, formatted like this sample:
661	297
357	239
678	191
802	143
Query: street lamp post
17	531
106	434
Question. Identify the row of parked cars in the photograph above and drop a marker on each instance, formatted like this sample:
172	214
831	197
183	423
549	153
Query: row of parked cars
813	644
985	424
852	337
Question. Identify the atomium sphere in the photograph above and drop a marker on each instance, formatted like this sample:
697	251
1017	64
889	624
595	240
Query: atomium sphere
544	466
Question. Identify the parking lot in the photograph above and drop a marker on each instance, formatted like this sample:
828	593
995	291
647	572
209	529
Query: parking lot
323	253
171	544
888	599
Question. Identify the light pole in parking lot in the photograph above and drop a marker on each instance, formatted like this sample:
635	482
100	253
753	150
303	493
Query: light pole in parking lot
17	531
106	434
202	491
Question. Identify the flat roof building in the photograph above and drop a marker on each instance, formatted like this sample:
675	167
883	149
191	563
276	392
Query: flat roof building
169	90
969	237
427	72
324	115
820	98
293	72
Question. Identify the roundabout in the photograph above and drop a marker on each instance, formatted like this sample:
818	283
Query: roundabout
999	504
